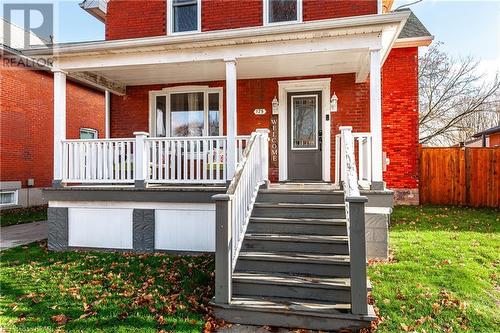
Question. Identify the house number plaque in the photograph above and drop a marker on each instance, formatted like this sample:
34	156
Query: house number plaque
259	112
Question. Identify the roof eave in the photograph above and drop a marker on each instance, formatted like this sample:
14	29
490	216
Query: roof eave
342	23
414	42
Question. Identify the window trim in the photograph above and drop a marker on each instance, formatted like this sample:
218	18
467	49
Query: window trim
180	90
16	198
90	130
170	20
265	11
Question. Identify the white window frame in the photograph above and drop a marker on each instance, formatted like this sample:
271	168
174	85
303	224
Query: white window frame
16	196
265	11
170	19
316	146
167	92
89	130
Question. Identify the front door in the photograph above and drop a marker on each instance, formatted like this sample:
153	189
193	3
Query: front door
304	136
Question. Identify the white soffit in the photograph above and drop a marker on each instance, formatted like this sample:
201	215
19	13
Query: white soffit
249	68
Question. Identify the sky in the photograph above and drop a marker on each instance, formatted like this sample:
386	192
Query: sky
464	27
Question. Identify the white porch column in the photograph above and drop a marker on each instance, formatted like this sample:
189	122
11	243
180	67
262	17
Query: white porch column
107	101
59	124
376	118
231	119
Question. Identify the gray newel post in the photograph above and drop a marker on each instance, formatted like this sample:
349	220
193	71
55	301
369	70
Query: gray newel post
357	250
223	248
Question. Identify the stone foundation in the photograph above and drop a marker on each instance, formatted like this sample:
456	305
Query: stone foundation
405	196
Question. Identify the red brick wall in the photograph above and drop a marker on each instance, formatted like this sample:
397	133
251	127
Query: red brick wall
134	19
26	122
230	14
321	9
400	117
146	18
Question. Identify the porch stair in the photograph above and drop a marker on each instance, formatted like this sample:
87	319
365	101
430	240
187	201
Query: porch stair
293	269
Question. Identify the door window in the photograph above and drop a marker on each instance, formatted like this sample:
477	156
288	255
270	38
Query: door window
304	122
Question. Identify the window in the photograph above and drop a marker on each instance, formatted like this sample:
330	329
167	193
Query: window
8	198
88	134
184	16
183	113
282	11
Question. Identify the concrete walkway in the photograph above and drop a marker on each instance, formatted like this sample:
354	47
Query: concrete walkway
22	234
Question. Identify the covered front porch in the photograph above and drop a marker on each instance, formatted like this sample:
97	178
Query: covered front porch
222	87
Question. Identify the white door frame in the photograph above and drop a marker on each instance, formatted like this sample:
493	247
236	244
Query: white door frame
285	87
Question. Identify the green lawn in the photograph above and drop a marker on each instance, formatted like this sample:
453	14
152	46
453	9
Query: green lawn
444	275
22	215
110	292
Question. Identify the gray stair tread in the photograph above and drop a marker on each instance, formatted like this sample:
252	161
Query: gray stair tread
284	304
301	191
293	279
298	220
297	205
299	307
295	238
296	257
290	280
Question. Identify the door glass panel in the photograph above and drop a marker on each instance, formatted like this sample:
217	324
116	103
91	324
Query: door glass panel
304	122
186	114
161	113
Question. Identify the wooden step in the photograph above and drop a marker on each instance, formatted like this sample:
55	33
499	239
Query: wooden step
307	226
276	242
299	210
295	263
291	286
300	196
315	315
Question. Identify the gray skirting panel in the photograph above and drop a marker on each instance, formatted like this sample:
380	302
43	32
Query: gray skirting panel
143	230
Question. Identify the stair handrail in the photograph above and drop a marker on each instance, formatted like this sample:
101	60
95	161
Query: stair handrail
233	210
355	216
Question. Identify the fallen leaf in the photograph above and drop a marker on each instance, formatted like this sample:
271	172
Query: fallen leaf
60	319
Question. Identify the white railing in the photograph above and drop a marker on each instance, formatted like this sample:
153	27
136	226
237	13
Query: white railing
249	176
355	216
234	208
186	160
362	144
98	161
148	160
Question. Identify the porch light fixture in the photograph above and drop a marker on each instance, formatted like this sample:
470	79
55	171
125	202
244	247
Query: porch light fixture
334	103
276	105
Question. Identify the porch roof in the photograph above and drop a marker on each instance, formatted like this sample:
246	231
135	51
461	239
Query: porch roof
311	48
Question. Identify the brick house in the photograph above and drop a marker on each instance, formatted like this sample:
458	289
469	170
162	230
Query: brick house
274	133
26	123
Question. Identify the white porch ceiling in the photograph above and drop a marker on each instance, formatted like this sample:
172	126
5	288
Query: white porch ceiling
249	68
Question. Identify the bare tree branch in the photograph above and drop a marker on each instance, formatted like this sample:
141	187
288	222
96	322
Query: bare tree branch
455	98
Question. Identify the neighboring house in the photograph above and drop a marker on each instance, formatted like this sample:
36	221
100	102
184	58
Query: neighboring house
26	121
198	87
487	138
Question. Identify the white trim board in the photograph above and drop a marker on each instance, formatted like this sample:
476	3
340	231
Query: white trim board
284	87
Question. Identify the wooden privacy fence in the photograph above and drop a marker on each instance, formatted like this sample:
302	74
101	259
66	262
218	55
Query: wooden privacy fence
460	176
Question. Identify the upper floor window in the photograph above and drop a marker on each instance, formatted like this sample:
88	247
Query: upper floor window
184	16
282	11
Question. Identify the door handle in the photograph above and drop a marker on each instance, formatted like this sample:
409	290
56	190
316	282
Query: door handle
320	140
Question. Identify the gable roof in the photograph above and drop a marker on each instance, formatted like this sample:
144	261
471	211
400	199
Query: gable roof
413	28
